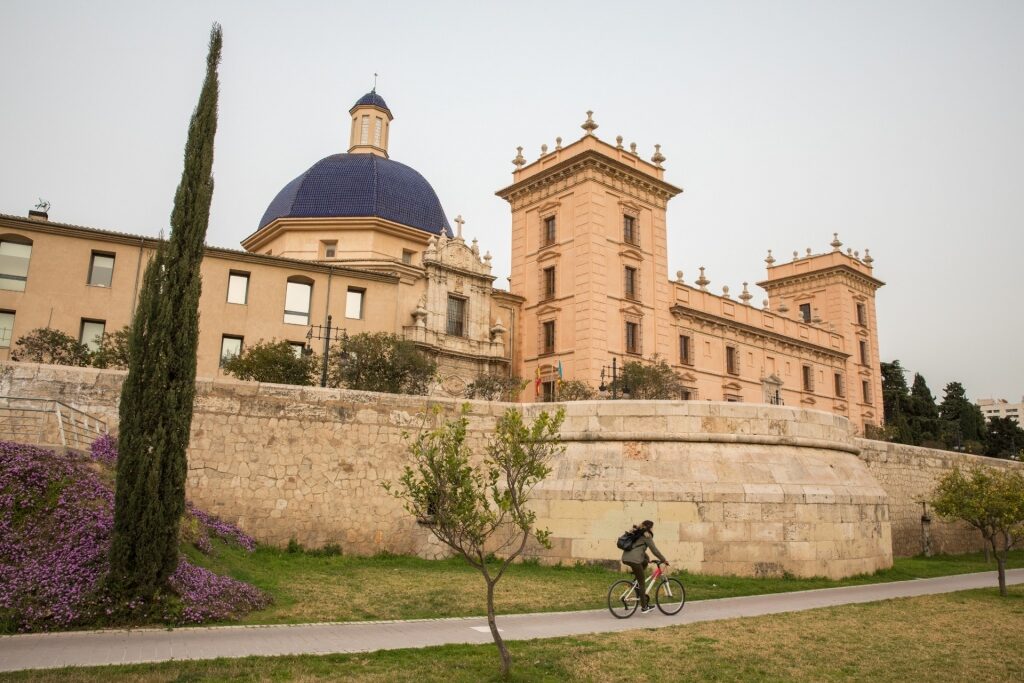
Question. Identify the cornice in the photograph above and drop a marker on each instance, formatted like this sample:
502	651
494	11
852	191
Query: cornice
81	232
679	311
590	159
258	239
811	276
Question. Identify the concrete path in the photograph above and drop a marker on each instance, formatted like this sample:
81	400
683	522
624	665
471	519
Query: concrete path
90	648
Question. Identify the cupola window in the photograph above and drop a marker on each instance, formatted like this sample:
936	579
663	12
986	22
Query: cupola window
378	126
364	130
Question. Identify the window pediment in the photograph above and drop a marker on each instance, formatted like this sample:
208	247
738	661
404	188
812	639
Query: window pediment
634	311
631	254
732	386
549	255
548	310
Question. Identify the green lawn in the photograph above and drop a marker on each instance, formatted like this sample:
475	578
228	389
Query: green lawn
309	587
970	636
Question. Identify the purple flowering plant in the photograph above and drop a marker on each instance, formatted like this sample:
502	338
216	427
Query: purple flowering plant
56	519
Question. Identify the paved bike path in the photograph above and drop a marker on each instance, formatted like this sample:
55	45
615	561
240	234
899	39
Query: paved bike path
90	648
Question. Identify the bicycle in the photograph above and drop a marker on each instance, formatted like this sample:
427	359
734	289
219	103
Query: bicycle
670	595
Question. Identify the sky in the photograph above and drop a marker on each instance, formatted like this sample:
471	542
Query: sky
897	125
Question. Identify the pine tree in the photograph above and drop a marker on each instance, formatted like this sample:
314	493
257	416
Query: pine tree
924	414
963	422
156	399
896	403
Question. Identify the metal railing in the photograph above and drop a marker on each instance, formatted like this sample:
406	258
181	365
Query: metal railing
45	421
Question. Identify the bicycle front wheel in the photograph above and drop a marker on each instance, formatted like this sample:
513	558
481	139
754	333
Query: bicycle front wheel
670	596
622	599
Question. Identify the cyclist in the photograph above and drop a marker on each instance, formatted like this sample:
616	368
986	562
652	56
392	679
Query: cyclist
636	558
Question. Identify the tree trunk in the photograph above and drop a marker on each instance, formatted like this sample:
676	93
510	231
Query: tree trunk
506	660
1001	563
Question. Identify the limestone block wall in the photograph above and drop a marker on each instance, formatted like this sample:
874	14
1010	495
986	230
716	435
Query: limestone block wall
909	475
732	488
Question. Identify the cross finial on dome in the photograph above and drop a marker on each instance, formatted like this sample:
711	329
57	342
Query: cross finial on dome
374	82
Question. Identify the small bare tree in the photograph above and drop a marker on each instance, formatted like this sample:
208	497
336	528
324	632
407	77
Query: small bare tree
480	509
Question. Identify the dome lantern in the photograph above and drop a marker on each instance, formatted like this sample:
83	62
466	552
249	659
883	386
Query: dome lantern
371	120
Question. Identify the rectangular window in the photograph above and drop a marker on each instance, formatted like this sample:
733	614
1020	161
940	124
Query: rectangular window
632	337
549	283
548	236
298	348
230	346
6	328
92	333
548	391
456	316
840	387
364	130
732	360
863	352
865	390
377	127
805	312
406	256
630	283
687	394
548	336
296	303
685	350
101	270
808	377
862	314
629	231
330	249
238	287
14	258
354	303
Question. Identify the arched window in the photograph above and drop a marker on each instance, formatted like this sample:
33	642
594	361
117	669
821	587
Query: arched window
15	253
297	298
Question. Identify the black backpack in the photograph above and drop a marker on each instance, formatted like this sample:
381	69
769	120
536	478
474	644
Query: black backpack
627	540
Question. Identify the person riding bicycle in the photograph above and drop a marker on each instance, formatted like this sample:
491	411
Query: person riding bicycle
636	558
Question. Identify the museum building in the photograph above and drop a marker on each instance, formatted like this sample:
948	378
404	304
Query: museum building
363	239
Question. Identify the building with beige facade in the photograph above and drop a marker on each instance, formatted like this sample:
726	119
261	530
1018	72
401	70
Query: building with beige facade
363	239
1000	407
590	259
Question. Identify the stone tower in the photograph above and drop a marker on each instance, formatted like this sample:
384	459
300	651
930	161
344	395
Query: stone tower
589	255
837	290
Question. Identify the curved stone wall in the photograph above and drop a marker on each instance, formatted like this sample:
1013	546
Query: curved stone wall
732	488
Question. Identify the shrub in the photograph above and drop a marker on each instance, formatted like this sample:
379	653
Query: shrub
275	362
45	345
56	518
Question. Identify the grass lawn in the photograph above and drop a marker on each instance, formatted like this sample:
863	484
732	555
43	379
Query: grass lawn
969	636
308	588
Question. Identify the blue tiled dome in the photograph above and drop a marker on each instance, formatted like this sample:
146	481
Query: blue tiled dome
374	99
348	185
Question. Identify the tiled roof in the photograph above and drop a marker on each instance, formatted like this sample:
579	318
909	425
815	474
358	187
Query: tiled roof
350	185
374	99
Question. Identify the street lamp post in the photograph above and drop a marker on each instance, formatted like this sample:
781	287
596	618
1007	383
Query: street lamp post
614	386
324	332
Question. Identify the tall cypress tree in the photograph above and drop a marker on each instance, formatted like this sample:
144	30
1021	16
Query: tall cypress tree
156	400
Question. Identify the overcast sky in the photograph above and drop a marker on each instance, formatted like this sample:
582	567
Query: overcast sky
896	124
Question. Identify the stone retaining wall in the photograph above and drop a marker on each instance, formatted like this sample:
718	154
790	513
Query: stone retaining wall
909	475
734	488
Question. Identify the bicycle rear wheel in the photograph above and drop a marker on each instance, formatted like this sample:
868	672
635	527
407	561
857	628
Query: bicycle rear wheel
622	599
670	596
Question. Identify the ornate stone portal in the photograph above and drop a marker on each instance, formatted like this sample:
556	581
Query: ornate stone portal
452	319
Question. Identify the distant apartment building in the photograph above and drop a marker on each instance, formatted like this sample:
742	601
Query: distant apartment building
1000	407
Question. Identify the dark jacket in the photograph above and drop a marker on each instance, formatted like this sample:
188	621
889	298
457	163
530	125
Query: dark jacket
638	553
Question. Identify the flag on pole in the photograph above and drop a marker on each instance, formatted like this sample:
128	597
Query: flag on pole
559	372
536	383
